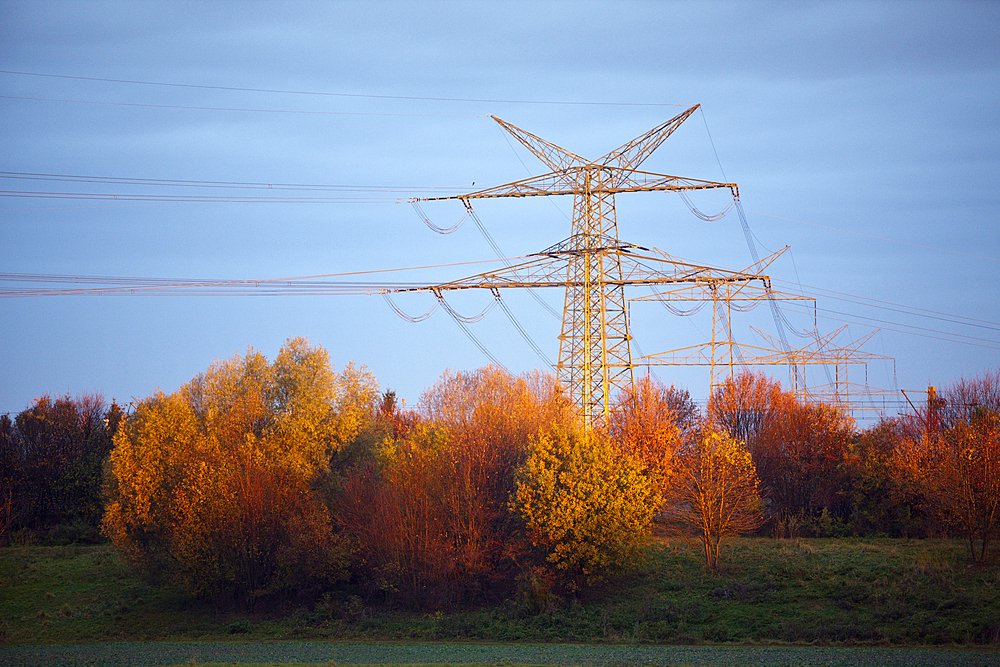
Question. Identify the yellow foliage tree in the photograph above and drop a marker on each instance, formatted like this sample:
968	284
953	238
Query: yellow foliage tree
714	491
586	506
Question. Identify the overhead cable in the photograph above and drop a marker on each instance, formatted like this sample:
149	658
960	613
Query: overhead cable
704	216
345	95
496	249
409	318
520	329
188	107
431	225
462	323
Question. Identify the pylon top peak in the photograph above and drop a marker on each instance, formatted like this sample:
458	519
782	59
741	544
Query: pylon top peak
628	156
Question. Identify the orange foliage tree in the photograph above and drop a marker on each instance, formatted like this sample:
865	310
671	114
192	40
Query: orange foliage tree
971	471
954	463
798	449
878	503
713	491
649	423
212	484
51	458
747	405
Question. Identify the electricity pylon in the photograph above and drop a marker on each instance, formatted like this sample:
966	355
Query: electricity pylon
595	360
822	351
722	352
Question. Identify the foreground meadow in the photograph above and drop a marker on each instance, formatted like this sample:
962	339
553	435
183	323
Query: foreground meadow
874	592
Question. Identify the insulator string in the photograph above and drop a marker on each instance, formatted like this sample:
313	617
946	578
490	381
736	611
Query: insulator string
674	310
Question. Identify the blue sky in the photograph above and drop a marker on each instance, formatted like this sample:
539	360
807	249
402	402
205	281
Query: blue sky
863	135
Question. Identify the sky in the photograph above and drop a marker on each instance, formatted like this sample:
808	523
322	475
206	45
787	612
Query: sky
864	136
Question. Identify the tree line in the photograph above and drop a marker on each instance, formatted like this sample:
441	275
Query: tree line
260	480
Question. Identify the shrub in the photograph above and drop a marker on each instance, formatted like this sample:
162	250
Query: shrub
585	507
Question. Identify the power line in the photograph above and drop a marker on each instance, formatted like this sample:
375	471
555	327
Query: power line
880	238
252	185
343	95
188	107
914	329
900	308
198	199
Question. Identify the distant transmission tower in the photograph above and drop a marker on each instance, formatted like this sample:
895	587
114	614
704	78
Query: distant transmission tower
595	360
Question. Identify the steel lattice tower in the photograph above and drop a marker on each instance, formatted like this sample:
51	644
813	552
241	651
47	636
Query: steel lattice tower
594	353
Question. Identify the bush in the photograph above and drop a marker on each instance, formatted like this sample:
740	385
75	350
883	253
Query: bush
586	508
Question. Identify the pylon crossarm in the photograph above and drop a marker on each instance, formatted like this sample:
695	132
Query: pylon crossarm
551	269
757	267
623	180
579	244
821	350
695	355
739	291
700	355
818	345
636	266
587	180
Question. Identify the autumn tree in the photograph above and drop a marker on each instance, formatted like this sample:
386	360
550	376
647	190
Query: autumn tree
212	485
586	508
954	463
797	448
649	423
970	488
747	405
966	398
51	458
430	515
877	503
713	491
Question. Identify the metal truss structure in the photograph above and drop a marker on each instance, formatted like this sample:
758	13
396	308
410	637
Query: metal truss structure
822	351
595	360
634	265
722	354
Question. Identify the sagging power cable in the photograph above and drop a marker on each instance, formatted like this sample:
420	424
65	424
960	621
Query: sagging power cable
409	318
524	334
431	225
704	216
462	323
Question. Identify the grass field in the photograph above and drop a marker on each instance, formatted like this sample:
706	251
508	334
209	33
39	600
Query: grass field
770	594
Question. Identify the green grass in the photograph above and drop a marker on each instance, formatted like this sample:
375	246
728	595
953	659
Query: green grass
845	592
